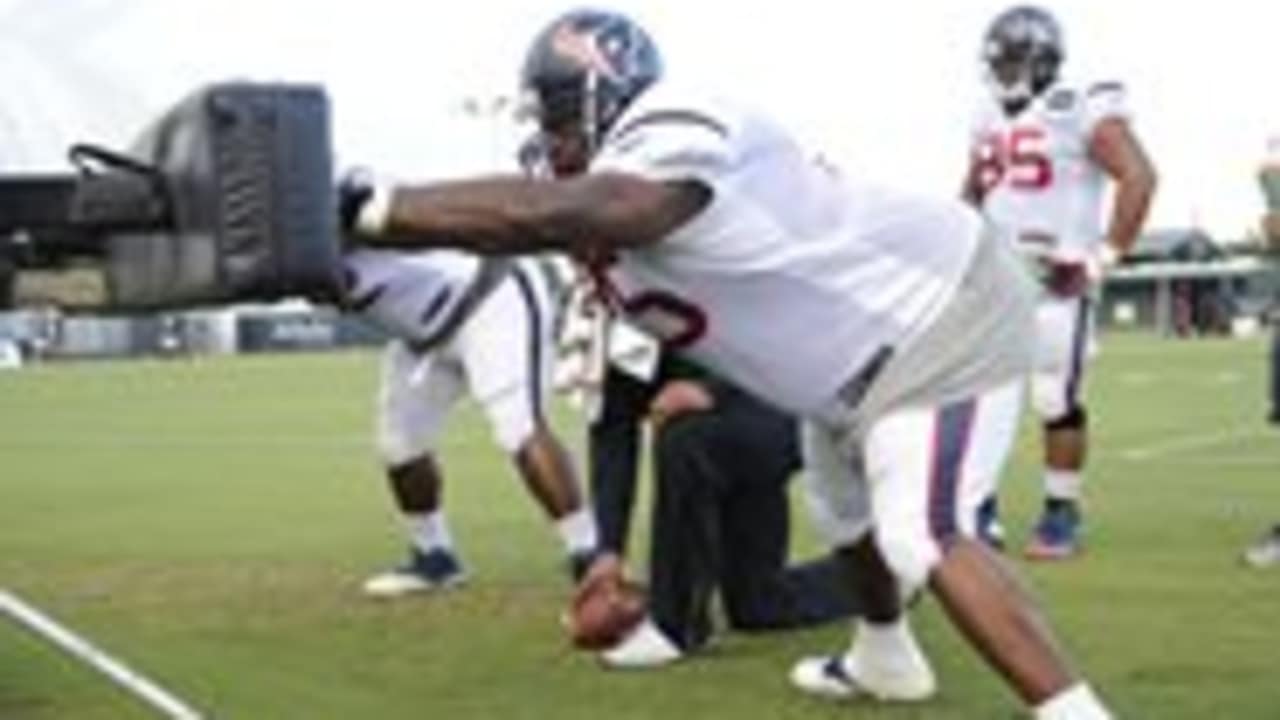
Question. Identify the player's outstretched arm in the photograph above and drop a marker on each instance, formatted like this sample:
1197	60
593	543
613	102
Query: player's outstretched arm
1117	150
512	214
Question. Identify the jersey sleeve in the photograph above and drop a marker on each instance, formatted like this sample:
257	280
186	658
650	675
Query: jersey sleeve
1103	100
980	122
667	145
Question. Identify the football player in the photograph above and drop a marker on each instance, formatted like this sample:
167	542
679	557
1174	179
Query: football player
1043	151
715	231
461	324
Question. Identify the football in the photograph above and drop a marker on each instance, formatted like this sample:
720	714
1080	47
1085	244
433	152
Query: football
606	606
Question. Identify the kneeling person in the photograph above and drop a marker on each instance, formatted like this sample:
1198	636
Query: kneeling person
721	462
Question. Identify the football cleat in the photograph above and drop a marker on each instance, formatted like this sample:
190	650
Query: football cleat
1265	552
895	673
832	677
1057	534
644	647
825	677
990	530
438	569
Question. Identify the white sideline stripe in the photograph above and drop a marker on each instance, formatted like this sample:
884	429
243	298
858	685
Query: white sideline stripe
81	649
1248	461
1197	441
1147	378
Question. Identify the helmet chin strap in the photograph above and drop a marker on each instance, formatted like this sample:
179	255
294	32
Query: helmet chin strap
1018	92
1012	97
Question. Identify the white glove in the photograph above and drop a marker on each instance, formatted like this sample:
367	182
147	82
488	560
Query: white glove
364	202
633	351
1101	262
582	350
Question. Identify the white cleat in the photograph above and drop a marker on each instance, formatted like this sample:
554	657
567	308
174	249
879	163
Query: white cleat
393	584
1266	552
903	675
646	646
825	677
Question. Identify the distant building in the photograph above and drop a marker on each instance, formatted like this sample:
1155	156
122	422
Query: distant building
1180	282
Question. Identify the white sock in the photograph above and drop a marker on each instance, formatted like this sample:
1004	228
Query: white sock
1063	484
429	531
577	531
1075	703
883	639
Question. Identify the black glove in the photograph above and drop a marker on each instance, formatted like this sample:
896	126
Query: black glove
355	190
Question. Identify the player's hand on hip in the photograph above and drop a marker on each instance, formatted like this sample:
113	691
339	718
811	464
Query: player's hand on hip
1100	263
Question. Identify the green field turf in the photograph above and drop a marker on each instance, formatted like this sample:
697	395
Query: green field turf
209	521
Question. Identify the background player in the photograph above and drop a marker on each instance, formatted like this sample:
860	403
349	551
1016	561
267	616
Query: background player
1265	552
461	324
1043	150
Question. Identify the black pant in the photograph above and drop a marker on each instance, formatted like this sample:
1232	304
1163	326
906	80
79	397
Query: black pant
1274	414
721	520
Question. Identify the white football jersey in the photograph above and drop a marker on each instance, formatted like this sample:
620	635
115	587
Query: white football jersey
1040	187
793	278
410	295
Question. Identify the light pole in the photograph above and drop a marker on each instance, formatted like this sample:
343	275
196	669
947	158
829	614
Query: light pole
496	114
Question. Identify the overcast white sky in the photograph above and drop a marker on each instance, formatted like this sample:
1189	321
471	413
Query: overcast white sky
884	86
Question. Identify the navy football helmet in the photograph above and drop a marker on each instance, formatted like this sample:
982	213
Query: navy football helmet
1022	51
584	69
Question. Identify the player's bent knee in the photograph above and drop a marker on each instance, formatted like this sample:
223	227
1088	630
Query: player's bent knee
395	449
512	421
910	556
1049	396
1075	418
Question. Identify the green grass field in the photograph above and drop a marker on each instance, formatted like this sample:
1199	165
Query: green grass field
209	521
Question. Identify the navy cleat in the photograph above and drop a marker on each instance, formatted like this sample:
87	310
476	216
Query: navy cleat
989	529
1057	535
438	569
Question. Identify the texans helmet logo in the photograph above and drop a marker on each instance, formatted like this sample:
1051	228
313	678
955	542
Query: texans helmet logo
582	47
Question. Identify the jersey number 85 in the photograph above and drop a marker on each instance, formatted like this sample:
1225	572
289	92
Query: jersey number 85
1019	155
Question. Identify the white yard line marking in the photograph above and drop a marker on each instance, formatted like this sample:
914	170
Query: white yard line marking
1211	460
80	648
1193	441
1137	378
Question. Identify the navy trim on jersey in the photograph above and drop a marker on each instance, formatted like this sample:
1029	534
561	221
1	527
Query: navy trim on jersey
363	302
1103	87
1078	341
674	117
435	306
535	340
953	425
